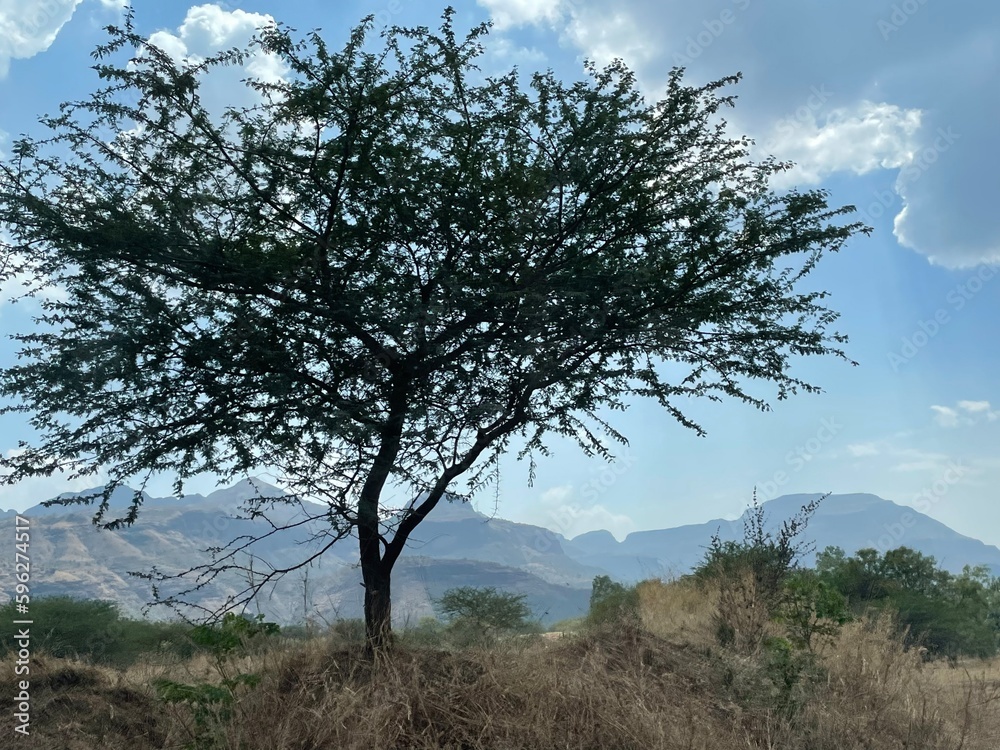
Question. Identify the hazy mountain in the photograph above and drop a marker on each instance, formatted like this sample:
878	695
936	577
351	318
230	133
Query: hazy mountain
455	546
851	522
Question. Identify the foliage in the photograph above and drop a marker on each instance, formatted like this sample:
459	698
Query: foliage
949	614
429	631
95	630
384	271
212	704
232	633
811	607
481	614
752	575
612	602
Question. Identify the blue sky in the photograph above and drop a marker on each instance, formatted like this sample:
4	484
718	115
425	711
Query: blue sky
892	106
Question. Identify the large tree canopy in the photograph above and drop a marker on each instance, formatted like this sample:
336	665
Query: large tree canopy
389	267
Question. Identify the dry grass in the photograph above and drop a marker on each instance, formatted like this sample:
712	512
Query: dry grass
659	683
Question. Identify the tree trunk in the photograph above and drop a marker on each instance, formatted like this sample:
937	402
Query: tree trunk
378	607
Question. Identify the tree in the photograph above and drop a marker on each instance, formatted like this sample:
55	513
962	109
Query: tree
949	614
810	607
611	601
378	276
484	611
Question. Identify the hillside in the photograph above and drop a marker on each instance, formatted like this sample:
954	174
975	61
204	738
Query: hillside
456	546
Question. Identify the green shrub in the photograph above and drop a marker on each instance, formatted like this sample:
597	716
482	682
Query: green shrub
212	704
811	607
429	631
612	602
94	629
480	615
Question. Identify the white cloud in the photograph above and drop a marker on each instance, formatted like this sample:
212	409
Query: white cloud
508	13
863	449
945	416
975	407
562	513
604	37
943	204
557	495
503	53
208	29
974	413
28	27
858	139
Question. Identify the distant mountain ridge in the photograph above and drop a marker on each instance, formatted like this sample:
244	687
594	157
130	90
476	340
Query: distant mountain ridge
852	522
454	546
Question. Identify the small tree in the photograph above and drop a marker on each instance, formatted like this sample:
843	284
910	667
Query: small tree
611	601
751	574
375	278
484	612
811	607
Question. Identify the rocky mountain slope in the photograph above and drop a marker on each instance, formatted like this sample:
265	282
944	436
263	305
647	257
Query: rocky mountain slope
455	546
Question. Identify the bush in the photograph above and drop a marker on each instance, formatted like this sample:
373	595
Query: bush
429	631
212	705
811	607
94	629
951	615
612	602
750	576
481	614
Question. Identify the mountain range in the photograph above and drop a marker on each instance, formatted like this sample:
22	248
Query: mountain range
454	546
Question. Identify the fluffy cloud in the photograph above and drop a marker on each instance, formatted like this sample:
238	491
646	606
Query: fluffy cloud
208	29
945	416
975	407
603	37
507	13
858	139
910	92
28	27
563	513
965	413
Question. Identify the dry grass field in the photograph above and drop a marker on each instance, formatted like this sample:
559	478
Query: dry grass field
661	682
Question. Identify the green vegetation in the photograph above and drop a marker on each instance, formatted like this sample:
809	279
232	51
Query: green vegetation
95	630
660	678
480	615
611	602
211	703
950	615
